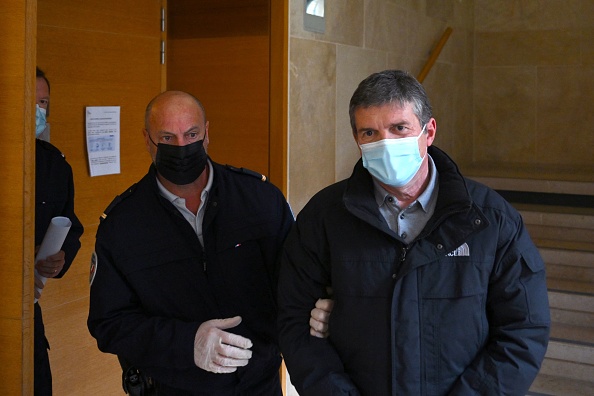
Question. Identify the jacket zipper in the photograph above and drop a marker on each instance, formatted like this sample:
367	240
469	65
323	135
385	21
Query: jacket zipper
403	257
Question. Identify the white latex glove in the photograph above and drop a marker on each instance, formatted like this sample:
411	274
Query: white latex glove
218	351
320	316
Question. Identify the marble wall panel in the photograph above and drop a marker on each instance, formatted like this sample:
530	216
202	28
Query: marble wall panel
505	15
413	5
441	9
343	19
536	57
312	84
587	45
518	15
386	26
546	47
423	34
461	147
586	14
564	124
504	115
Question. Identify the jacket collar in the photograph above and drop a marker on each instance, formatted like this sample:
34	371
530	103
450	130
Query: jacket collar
359	199
453	195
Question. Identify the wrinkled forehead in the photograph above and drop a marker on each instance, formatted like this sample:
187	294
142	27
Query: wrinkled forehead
176	113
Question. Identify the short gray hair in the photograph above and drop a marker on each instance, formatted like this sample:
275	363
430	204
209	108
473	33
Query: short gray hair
387	87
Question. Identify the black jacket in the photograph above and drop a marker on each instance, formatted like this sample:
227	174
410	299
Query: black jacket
461	310
154	284
54	196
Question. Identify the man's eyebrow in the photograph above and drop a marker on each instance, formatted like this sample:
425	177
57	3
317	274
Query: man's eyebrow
192	129
195	128
403	122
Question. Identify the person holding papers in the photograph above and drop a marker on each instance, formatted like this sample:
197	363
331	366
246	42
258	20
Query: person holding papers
54	196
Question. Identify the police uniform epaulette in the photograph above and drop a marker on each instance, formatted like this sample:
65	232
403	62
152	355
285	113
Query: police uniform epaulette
49	147
117	200
247	172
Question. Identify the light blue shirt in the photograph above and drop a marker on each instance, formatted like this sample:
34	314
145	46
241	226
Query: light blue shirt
180	203
408	222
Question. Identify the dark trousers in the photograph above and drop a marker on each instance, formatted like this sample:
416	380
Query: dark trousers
42	372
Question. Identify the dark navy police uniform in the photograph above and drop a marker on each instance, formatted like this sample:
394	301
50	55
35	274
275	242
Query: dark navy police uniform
155	284
54	196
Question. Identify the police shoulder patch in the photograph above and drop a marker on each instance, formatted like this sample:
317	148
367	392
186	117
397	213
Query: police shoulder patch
248	172
116	201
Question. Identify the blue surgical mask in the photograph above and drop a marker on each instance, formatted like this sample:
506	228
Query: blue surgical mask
393	162
39	121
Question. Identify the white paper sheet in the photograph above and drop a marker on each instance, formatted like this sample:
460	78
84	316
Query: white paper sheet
103	139
52	242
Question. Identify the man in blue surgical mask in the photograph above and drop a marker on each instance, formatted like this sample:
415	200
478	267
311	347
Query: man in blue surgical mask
54	196
435	285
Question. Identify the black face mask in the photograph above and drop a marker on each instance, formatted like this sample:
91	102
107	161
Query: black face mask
181	164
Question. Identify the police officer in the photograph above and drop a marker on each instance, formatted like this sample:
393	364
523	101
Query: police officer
54	196
185	265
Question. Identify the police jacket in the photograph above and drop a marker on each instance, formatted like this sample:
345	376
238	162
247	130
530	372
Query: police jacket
54	196
154	284
462	310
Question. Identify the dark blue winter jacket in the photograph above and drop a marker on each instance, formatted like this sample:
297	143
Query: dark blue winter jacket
462	310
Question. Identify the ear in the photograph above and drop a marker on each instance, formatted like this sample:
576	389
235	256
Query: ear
206	140
147	141
431	130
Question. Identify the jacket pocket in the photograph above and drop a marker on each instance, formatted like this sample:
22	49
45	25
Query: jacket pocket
453	318
533	279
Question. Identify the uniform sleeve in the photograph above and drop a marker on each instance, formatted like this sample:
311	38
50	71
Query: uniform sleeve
313	363
123	327
519	321
72	242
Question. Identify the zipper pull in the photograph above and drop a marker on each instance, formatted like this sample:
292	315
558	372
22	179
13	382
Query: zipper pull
403	257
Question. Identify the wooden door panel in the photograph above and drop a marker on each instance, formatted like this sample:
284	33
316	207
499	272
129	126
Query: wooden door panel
220	52
230	77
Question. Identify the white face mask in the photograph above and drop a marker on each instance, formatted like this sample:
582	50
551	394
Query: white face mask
393	162
39	120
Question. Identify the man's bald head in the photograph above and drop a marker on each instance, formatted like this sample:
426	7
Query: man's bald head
171	100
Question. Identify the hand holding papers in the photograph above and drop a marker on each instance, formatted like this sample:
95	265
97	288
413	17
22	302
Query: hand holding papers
52	243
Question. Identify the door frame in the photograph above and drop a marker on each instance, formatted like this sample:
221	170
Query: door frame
279	93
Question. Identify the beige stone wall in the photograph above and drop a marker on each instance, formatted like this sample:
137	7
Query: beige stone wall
534	89
362	37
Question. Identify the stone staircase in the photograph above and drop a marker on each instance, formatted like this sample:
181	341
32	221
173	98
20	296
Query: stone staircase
565	237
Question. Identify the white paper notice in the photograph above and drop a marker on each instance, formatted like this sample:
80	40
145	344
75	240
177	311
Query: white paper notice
52	241
103	139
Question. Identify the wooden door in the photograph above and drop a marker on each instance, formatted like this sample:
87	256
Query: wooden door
223	52
17	103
